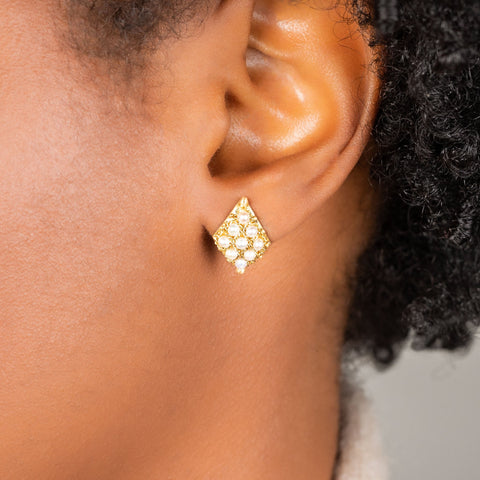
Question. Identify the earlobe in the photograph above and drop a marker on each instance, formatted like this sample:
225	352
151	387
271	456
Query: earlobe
300	117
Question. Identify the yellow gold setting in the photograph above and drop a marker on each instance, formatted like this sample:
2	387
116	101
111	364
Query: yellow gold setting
241	237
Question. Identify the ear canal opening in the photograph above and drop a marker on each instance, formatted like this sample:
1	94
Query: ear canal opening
215	165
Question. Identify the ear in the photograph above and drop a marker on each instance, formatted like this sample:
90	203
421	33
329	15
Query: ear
301	104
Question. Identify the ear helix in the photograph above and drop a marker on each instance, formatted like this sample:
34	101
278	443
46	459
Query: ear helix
241	237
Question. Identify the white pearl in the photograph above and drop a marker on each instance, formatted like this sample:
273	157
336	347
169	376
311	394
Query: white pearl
231	254
234	229
251	231
224	241
243	217
241	243
258	244
241	264
250	254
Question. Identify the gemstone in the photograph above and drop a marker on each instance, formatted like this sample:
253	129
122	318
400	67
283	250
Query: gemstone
243	217
258	244
233	229
231	254
224	241
241	264
250	254
251	231
241	243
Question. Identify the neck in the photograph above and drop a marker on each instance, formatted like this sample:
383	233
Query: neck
271	412
259	397
266	407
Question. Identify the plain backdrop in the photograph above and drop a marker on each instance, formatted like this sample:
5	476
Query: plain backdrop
428	409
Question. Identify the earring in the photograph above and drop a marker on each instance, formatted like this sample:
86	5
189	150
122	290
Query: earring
241	237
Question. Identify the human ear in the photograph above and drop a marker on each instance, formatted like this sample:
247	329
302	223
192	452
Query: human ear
301	102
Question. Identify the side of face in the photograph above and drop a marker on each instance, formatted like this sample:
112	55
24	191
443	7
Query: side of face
110	189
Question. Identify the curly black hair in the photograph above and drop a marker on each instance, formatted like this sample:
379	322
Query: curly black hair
420	275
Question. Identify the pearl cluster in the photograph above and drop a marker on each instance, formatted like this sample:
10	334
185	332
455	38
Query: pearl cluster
241	237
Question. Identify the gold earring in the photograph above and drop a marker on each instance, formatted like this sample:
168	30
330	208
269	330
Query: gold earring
241	237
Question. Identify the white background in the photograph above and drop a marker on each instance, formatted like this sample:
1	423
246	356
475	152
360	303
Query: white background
428	409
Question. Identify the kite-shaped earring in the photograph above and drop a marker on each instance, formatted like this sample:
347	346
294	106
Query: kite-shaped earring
241	237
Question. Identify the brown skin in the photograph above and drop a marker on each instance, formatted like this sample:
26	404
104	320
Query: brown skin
129	348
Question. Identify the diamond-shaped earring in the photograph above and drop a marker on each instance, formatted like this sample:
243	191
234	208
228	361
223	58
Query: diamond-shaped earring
241	237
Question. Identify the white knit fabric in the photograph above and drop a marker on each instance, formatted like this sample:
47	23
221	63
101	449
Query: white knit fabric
361	456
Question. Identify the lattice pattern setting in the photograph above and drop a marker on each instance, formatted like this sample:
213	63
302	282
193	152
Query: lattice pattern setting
241	237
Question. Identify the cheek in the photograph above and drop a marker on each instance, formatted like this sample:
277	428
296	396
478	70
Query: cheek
99	272
88	261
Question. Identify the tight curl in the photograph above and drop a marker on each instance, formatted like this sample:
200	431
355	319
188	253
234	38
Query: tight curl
420	276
